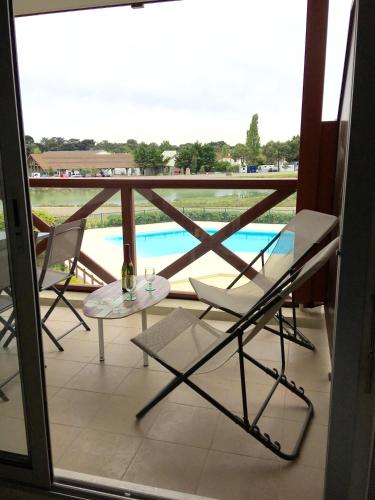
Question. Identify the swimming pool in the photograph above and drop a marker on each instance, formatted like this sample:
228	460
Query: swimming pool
177	241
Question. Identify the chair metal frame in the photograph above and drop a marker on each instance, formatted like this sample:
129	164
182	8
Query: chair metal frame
271	302
290	328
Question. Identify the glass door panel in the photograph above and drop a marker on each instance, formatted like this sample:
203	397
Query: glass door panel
24	435
12	422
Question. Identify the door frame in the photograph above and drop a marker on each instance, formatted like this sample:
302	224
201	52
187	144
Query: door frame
34	468
351	426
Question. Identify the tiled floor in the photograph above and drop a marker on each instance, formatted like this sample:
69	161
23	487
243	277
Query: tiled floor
183	444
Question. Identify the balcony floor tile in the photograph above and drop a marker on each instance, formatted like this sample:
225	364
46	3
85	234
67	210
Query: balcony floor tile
183	443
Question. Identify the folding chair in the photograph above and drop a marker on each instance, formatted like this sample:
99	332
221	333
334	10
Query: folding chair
277	259
187	346
64	245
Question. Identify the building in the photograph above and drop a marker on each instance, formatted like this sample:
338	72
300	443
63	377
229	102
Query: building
170	165
97	163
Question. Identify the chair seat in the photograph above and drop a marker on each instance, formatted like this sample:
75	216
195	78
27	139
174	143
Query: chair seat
239	299
51	278
181	340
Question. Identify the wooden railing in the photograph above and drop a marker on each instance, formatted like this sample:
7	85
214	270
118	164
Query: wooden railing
282	188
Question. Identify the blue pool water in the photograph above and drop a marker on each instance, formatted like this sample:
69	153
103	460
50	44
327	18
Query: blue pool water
181	241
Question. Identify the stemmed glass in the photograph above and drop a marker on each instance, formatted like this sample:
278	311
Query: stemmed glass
150	277
130	286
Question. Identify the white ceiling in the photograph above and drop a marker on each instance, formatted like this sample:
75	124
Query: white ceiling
30	7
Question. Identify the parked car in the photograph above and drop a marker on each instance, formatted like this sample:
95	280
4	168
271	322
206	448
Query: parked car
35	174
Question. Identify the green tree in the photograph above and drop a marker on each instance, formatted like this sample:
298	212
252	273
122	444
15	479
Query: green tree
207	157
185	157
149	156
198	157
132	144
223	166
292	149
253	141
52	143
167	146
239	152
29	140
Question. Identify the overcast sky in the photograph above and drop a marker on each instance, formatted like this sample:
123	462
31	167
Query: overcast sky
179	71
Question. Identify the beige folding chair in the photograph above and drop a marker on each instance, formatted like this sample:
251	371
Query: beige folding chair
186	345
279	258
64	245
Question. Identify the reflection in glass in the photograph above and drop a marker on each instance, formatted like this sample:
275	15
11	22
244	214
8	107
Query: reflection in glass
12	425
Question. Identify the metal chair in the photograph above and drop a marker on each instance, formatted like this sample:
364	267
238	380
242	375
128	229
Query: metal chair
64	245
186	346
277	259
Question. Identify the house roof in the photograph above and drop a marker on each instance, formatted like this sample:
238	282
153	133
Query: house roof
76	160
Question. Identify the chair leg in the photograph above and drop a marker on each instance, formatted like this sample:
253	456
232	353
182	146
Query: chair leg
74	311
60	296
52	337
7	325
161	395
3	396
291	331
9	340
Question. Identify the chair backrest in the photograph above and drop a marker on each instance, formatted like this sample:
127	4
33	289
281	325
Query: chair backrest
194	344
64	243
305	230
262	313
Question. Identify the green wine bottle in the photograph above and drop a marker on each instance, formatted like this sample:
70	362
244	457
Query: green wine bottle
127	267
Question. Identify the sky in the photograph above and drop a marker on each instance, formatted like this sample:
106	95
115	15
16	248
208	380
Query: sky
179	71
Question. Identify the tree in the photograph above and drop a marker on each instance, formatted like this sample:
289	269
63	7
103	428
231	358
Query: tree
207	157
292	149
29	140
184	158
167	146
223	166
87	144
149	156
52	143
239	152
198	157
253	141
132	144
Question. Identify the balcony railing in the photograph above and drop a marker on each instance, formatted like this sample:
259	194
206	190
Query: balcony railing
146	186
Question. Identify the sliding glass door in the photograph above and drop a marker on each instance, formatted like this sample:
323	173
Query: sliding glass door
24	439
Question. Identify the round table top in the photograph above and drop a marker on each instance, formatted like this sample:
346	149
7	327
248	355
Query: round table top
110	302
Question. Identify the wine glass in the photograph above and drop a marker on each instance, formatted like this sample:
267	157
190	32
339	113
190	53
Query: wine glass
150	277
130	286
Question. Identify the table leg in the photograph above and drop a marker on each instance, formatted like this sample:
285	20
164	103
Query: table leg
144	327
101	340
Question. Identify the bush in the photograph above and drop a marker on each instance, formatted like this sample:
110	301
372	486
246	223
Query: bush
48	218
154	217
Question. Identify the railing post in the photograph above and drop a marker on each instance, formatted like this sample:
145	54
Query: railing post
128	221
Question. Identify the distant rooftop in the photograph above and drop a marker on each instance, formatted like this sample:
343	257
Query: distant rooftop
76	160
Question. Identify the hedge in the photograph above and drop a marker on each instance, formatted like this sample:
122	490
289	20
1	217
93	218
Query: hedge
153	217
